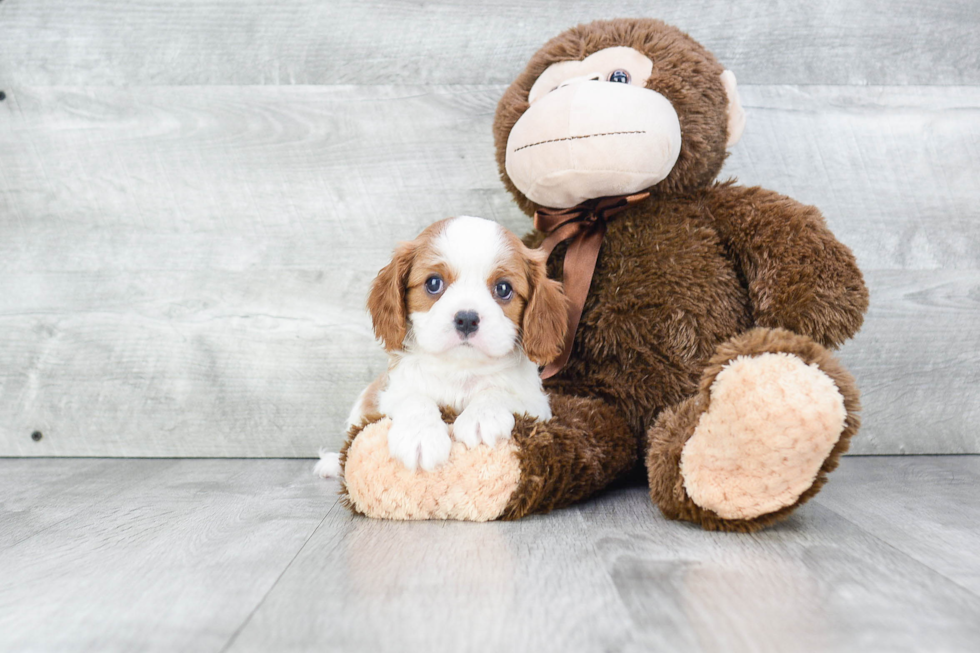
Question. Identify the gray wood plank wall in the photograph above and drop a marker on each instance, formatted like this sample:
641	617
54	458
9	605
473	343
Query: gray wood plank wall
194	197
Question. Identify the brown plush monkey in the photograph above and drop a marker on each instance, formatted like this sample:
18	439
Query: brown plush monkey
701	347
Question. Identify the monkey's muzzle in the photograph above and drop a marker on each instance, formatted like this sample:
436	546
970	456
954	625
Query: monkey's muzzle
592	139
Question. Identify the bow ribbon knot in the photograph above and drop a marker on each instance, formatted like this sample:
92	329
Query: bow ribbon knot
586	224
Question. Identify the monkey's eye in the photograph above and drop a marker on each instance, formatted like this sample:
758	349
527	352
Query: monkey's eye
503	291
619	75
434	284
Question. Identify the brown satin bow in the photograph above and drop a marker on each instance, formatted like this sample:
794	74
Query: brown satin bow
586	223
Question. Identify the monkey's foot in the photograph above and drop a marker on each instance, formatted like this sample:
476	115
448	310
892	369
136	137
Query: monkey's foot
474	484
543	466
771	422
774	414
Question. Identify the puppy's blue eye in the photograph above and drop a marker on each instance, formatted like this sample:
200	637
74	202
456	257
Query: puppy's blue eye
503	290
433	285
620	76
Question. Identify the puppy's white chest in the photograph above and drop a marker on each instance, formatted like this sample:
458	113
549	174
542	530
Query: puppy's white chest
448	385
456	389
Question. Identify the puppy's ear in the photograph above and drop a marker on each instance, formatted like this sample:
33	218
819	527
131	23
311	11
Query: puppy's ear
546	316
386	302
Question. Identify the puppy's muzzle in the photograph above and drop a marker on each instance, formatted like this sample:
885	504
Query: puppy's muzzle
467	322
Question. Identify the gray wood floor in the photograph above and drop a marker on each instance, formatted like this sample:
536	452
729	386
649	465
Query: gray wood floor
232	555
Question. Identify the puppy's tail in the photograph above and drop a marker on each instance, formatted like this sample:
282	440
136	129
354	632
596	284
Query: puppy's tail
329	465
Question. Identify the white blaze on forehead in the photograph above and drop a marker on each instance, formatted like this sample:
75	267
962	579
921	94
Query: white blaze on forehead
472	246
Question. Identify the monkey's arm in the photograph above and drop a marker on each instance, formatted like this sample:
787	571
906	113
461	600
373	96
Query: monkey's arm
800	277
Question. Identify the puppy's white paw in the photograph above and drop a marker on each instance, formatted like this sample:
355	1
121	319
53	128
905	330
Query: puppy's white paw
329	465
484	424
422	444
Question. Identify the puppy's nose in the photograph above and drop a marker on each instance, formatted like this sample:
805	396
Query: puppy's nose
467	322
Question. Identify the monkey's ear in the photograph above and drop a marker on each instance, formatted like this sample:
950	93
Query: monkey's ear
736	114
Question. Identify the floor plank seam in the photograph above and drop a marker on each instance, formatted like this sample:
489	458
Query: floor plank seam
48	527
894	548
241	627
90	506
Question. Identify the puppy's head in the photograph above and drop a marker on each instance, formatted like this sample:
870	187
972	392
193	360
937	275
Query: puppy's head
468	288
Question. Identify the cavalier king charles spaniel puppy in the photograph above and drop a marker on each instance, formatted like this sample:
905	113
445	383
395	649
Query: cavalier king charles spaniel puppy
467	314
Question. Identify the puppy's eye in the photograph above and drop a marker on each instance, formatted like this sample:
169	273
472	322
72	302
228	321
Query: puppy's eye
503	290
434	285
619	75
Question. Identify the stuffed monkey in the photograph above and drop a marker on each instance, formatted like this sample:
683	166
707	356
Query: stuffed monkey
702	311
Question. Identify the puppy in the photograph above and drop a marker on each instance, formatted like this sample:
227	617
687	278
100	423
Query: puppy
467	314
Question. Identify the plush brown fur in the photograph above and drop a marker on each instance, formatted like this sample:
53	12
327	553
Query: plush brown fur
683	72
684	276
565	461
686	280
676	425
560	463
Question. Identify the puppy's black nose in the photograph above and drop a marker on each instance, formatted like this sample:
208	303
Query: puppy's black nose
467	322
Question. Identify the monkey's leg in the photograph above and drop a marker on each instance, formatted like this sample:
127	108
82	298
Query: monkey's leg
545	465
773	415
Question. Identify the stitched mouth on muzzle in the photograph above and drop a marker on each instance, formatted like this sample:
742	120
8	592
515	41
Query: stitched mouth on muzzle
573	138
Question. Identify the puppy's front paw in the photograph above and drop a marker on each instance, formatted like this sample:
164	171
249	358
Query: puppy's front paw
423	444
485	424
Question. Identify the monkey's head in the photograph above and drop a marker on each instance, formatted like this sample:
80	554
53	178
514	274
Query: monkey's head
615	107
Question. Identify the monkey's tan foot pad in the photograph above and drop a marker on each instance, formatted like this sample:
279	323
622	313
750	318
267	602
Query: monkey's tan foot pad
475	484
771	422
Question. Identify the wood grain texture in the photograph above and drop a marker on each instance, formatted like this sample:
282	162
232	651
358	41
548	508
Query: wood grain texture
613	575
442	586
926	507
917	363
121	42
894	170
814	583
239	178
257	555
184	269
43	493
174	562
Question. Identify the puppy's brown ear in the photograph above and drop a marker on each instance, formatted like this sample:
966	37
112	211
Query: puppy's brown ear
546	316
386	302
